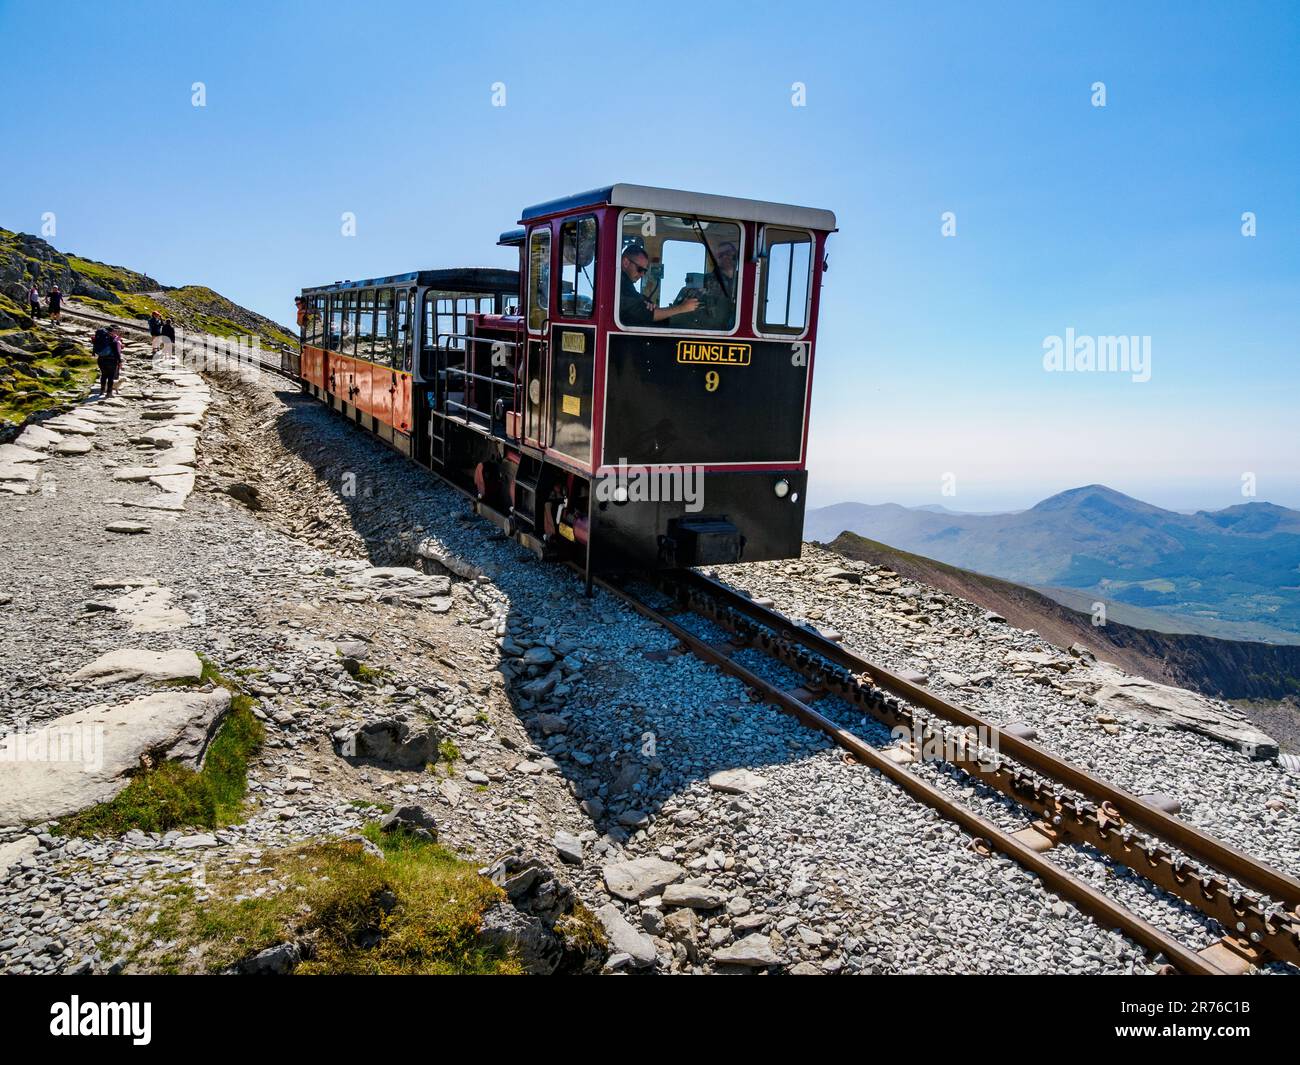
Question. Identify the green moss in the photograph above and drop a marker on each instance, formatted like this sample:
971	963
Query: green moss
583	930
368	674
417	910
171	795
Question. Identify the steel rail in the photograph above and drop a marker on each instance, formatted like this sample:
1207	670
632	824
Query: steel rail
1087	898
1249	871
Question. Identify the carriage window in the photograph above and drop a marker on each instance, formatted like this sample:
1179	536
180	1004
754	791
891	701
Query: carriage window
429	338
578	268
678	272
787	271
348	345
447	325
539	278
404	331
366	324
384	327
314	329
334	340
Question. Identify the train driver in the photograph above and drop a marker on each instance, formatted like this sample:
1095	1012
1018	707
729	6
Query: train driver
634	308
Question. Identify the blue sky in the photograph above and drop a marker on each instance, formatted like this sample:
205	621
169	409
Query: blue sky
1122	220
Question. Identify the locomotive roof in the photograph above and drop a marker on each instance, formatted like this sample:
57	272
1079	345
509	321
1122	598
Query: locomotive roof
456	279
675	201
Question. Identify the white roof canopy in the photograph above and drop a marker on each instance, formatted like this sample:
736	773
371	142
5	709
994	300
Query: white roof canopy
674	201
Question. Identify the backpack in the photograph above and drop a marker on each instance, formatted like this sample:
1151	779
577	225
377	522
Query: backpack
101	343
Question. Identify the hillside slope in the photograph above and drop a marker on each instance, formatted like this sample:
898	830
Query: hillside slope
1236	565
39	369
1226	669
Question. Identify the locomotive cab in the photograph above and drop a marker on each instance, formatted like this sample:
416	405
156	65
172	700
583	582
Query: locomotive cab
668	362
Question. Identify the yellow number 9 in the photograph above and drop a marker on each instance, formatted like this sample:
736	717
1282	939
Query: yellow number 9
711	381
573	373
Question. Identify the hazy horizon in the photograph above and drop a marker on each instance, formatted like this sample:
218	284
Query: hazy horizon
990	499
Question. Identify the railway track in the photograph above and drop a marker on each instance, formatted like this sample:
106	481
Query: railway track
269	365
1256	906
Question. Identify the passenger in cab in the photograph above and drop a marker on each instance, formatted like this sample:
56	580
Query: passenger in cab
717	298
634	308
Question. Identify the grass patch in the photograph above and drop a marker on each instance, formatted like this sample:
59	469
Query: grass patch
368	674
417	910
448	752
171	795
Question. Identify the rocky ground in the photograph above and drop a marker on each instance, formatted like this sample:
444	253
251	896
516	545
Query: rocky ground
403	653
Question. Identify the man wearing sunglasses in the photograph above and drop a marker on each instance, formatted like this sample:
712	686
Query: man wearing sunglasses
634	308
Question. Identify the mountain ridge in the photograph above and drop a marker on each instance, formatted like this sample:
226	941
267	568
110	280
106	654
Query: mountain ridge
1237	564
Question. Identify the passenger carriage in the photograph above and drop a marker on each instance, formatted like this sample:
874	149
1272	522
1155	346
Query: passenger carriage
637	395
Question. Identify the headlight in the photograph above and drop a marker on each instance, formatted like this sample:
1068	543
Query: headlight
782	488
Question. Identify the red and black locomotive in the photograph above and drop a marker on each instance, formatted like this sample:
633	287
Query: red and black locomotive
636	395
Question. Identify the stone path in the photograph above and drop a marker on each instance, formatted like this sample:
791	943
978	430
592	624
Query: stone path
72	461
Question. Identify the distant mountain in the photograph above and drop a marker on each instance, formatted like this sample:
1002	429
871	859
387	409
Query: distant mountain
1238	565
1225	669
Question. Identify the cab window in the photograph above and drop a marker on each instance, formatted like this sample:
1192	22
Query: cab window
678	272
539	279
578	268
786	275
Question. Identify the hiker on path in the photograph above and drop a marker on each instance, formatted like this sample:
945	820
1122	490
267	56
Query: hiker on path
34	300
155	332
107	348
168	337
55	300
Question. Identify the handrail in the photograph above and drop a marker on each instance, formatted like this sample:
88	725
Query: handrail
475	339
474	376
493	383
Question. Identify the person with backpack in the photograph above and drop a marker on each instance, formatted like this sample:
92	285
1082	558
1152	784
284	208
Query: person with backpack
34	300
55	300
169	336
155	332
106	345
